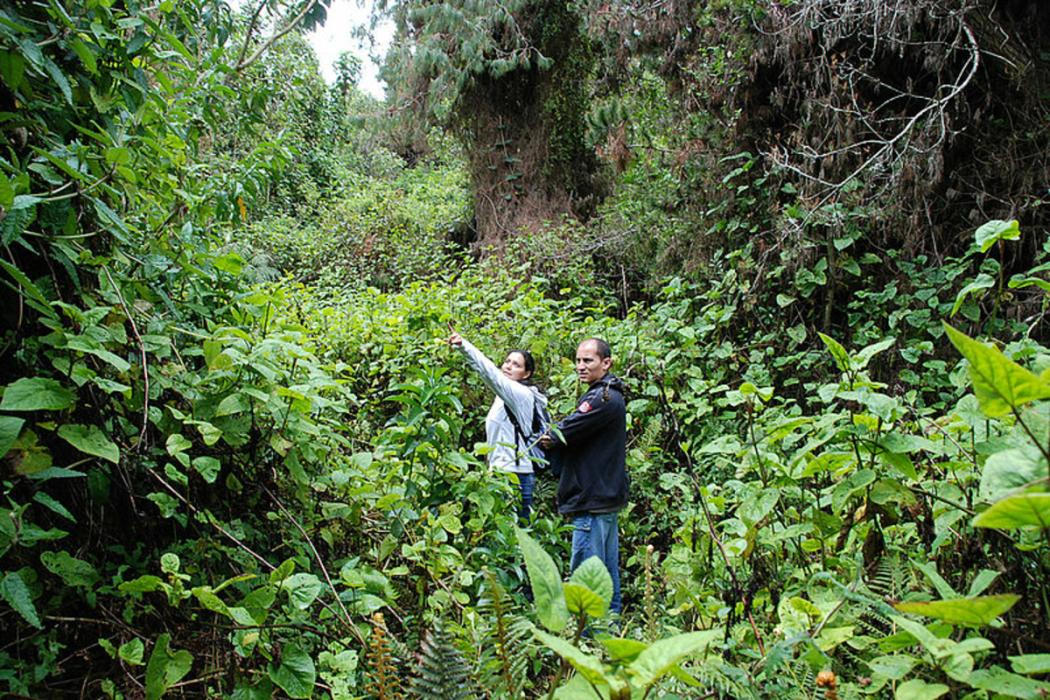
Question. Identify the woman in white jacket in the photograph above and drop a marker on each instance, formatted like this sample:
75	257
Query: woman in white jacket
510	383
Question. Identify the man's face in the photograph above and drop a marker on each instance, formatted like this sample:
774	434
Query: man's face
590	366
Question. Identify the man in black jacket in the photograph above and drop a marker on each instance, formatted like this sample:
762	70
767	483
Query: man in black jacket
592	451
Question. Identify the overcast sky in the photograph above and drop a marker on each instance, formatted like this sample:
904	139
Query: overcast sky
336	37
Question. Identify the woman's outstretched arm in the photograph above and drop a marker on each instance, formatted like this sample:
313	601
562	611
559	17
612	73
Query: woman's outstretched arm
515	395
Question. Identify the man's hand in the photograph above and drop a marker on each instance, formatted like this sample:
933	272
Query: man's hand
546	441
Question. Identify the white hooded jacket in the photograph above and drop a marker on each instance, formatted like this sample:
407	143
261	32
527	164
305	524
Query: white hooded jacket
508	453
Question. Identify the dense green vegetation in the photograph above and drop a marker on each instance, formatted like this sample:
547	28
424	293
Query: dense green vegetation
238	459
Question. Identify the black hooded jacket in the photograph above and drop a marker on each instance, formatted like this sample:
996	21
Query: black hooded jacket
592	451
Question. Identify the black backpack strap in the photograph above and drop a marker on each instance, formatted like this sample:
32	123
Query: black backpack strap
514	421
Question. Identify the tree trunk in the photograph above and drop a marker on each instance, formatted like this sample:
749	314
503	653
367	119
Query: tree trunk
525	134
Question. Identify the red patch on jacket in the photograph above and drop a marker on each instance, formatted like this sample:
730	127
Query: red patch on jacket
585	407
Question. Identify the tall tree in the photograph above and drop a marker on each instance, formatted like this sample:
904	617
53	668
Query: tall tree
512	80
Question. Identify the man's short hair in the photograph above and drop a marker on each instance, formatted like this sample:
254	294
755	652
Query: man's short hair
604	351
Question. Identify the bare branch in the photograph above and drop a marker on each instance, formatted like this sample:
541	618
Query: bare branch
242	64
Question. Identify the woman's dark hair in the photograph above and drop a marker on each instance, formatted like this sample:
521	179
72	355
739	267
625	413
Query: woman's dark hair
530	363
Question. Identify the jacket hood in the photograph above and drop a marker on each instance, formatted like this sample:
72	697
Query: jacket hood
610	380
537	394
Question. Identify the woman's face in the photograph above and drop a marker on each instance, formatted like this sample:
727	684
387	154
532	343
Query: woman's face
514	367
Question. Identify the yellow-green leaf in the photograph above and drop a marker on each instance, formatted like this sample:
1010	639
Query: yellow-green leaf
999	383
593	575
969	612
664	654
994	231
580	599
1031	663
1022	510
590	667
918	689
838	353
546	583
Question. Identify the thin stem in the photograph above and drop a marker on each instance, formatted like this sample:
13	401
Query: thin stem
142	356
251	28
211	520
754	444
346	615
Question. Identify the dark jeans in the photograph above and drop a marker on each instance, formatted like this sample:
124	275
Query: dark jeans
526	483
598	535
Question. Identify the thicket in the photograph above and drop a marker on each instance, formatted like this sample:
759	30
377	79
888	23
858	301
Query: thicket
238	458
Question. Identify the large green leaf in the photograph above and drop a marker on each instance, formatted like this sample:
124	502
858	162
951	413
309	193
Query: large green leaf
865	355
969	612
918	689
958	666
623	650
296	674
592	574
546	583
10	427
588	666
207	467
578	688
73	571
53	505
944	589
86	55
1022	510
93	347
980	583
754	509
994	231
664	654
1000	681
999	383
1008	470
894	667
7	192
1031	663
36	394
206	596
165	668
132	651
580	599
237	402
983	281
90	439
16	594
937	646
31	293
838	353
302	589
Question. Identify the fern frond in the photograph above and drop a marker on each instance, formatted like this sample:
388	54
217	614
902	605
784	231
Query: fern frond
443	673
807	679
888	579
728	681
504	657
381	671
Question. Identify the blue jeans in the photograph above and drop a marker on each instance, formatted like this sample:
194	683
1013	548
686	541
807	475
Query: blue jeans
526	483
598	535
